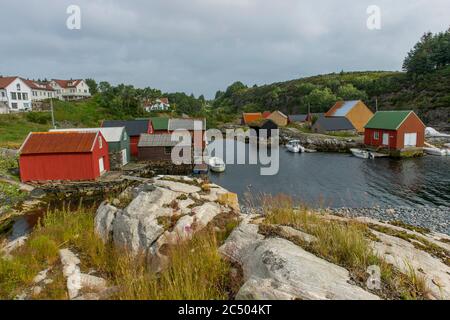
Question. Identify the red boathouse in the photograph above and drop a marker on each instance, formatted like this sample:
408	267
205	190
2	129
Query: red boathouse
395	130
67	156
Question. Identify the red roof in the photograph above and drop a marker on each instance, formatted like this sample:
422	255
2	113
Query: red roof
6	81
58	142
67	83
266	114
37	86
165	100
251	117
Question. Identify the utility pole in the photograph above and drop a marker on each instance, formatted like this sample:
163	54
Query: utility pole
53	115
376	104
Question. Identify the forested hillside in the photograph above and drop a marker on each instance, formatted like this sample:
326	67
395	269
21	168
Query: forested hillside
424	86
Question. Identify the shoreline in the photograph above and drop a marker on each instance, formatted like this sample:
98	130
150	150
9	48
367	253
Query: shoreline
438	218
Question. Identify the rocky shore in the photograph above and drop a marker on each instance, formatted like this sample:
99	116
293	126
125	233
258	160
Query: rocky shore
433	218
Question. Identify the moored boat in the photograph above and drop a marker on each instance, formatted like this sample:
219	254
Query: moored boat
216	164
436	151
295	146
363	154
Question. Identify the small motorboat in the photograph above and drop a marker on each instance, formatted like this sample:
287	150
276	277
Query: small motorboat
216	164
436	151
363	154
295	146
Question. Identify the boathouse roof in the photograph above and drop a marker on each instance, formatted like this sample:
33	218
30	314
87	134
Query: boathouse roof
389	120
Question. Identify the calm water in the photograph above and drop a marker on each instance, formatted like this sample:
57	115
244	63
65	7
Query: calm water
341	180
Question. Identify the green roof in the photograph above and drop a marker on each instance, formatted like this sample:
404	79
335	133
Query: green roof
389	120
160	123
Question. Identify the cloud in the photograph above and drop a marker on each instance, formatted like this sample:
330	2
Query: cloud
201	46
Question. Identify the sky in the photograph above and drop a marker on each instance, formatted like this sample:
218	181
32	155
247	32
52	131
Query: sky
201	46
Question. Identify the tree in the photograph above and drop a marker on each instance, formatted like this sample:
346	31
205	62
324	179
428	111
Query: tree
430	53
349	92
320	99
93	87
234	88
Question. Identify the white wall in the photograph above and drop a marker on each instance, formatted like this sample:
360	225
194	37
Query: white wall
13	94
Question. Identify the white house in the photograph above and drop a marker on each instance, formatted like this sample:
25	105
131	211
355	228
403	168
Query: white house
15	93
40	90
70	89
161	104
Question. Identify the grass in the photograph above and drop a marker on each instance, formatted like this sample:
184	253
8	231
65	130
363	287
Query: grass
7	166
343	243
196	270
14	128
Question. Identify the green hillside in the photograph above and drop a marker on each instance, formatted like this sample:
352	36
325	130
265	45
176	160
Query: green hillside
428	95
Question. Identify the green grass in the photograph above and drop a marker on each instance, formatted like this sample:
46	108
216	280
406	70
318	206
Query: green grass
196	269
14	128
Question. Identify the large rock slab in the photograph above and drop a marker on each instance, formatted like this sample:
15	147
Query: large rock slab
276	268
177	186
403	255
104	219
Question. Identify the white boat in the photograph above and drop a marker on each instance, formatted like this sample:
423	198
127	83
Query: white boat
216	164
295	146
363	154
436	151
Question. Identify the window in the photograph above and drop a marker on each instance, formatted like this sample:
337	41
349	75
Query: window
376	135
13	96
25	96
26	105
14	105
19	96
18	87
3	94
167	150
100	142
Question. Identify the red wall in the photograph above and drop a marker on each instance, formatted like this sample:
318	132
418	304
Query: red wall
64	166
134	141
371	141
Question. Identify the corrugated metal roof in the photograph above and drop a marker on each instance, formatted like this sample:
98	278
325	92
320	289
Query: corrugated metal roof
160	140
110	134
346	107
187	124
133	127
251	117
389	120
58	142
334	124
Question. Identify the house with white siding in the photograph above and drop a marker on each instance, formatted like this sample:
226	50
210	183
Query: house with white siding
15	93
70	89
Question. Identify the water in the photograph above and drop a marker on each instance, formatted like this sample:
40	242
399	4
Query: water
341	180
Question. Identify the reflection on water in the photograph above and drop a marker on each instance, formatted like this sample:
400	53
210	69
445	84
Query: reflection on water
341	180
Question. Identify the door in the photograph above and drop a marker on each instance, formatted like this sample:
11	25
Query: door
410	139
385	139
124	157
101	165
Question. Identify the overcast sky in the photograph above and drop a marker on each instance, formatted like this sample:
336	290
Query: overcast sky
201	46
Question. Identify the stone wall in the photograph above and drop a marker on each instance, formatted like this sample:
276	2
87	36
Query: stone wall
115	160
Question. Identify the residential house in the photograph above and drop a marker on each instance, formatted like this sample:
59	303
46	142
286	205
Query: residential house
15	93
355	111
158	147
70	89
161	104
118	143
327	125
279	118
248	118
66	156
266	114
395	130
134	128
40	90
